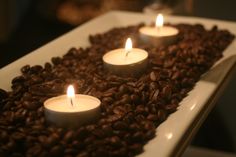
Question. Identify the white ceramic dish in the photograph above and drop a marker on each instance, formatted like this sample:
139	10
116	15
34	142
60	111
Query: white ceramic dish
173	135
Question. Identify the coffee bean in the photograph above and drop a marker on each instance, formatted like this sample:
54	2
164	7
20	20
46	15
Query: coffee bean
153	86
119	110
140	109
44	154
56	151
42	138
152	117
135	98
129	118
82	133
99	133
34	151
123	89
125	99
107	100
70	151
157	62
36	69
90	127
167	91
107	130
47	66
18	137
136	148
120	125
140	117
89	140
17	155
171	107
161	115
153	76
77	145
120	152
36	79
25	69
175	75
82	154
100	153
3	94
150	134
134	127
11	145
138	137
18	79
115	141
155	95
56	60
148	126
51	141
30	105
4	136
169	63
114	118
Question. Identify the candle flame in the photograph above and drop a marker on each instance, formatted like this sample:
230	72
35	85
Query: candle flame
159	21
128	45
70	92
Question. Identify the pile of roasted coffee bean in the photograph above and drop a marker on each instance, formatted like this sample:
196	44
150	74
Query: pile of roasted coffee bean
131	107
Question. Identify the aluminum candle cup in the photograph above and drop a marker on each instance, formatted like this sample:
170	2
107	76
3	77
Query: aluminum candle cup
164	36
60	112
132	65
159	34
126	61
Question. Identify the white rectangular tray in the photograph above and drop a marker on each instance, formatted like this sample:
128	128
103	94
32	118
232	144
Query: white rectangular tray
173	135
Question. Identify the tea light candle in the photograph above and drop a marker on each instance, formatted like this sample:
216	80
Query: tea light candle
126	61
71	110
159	34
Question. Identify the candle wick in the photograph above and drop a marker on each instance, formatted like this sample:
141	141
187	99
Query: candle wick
127	52
71	102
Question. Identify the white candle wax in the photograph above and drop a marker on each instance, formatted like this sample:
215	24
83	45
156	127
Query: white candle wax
60	111
119	57
163	31
126	63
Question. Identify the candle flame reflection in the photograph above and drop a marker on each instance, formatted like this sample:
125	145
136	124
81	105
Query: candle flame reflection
159	21
169	136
